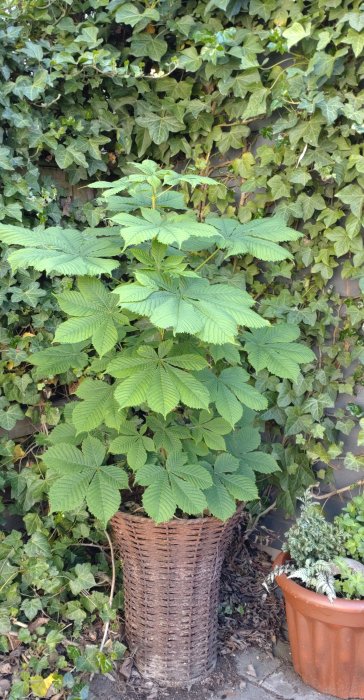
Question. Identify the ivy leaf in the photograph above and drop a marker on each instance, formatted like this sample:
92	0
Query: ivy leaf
353	196
213	313
30	295
295	33
40	686
32	50
84	478
84	579
10	416
31	606
148	45
355	462
158	380
36	88
66	251
169	229
63	157
160	125
273	349
258	237
129	14
95	315
59	359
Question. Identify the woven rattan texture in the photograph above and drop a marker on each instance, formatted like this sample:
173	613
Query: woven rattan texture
171	587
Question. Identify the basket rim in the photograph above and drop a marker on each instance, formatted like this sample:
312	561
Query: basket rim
189	522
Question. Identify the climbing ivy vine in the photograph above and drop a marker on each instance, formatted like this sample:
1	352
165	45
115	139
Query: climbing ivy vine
263	96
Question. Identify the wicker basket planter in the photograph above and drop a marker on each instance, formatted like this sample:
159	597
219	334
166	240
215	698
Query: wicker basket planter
171	588
326	639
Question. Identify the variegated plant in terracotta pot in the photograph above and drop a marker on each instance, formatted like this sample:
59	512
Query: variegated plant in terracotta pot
321	575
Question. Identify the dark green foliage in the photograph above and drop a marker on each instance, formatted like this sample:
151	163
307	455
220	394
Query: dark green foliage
82	91
351	523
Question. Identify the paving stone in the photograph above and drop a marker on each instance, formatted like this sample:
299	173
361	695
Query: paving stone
282	651
250	692
254	660
287	685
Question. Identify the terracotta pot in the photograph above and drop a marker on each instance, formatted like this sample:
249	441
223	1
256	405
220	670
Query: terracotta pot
327	639
171	589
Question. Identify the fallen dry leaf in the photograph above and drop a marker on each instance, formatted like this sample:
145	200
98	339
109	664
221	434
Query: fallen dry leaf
251	671
5	668
126	667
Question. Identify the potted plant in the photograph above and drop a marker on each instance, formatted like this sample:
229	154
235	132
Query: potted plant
325	610
166	400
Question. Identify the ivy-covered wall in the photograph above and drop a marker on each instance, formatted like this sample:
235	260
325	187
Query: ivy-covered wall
264	96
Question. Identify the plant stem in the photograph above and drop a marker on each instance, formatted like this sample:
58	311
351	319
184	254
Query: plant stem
323	496
257	518
207	259
112	589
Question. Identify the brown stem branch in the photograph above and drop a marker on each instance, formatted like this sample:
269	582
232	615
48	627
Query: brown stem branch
323	496
257	518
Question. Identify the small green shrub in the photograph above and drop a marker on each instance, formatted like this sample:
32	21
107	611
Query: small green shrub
318	548
167	351
351	523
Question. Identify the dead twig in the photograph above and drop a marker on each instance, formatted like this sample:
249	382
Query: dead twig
324	496
112	589
260	515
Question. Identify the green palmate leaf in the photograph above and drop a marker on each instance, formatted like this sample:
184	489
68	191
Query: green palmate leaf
97	406
173	178
211	312
210	430
169	229
243	444
158	499
66	251
133	443
178	485
142	196
259	238
273	349
159	380
167	435
79	477
230	390
229	486
59	359
94	314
